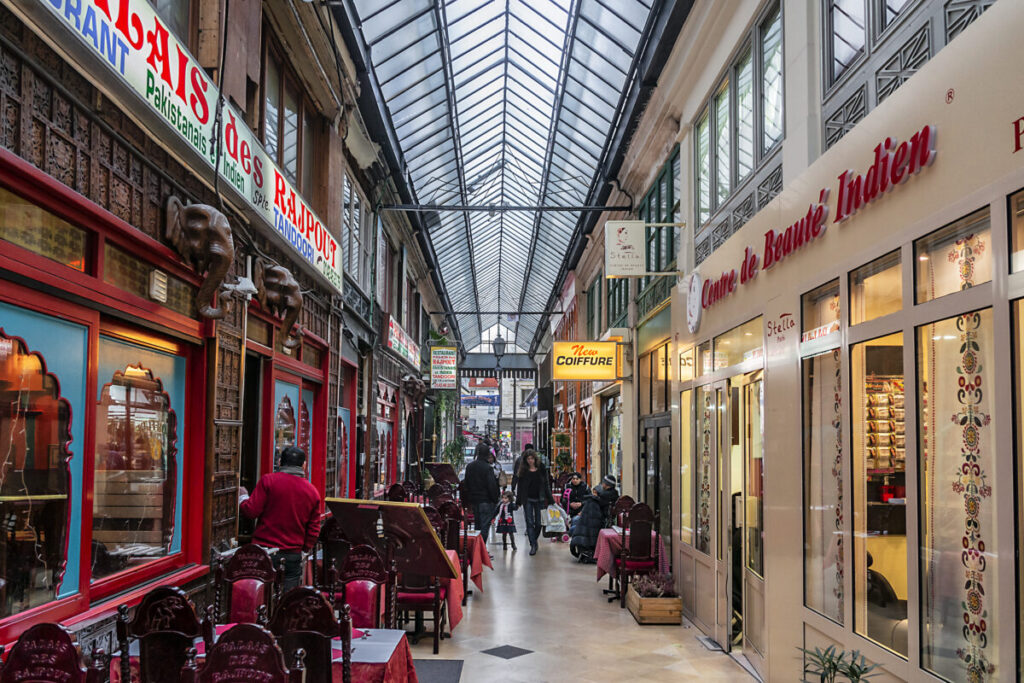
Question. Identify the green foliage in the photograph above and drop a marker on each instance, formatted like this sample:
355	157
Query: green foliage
455	452
829	663
562	439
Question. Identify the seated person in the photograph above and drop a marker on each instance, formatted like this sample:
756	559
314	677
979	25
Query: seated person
577	492
593	517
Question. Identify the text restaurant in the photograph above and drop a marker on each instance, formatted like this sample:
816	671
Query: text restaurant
882	288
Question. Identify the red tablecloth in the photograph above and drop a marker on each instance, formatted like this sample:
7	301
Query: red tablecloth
476	552
609	545
383	655
454	593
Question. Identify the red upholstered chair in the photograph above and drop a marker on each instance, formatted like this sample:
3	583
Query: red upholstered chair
46	653
304	620
639	555
619	510
165	626
441	500
396	493
456	538
364	586
331	546
248	580
422	594
263	660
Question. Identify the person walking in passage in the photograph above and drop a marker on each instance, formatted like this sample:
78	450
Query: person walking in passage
286	508
480	488
506	521
533	492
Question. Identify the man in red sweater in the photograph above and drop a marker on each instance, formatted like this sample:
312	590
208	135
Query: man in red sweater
287	510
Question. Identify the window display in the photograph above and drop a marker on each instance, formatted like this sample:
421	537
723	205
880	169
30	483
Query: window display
34	478
954	258
820	308
753	406
876	289
879	491
686	466
1017	232
959	559
823	484
137	469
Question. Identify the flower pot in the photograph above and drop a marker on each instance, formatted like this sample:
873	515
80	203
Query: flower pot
654	610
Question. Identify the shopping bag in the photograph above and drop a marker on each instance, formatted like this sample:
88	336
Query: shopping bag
552	519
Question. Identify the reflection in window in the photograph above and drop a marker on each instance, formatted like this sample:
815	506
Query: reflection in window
705	437
740	344
723	144
703	148
846	34
135	480
744	116
284	425
823	484
954	258
879	492
959	582
753	406
771	80
876	289
34	479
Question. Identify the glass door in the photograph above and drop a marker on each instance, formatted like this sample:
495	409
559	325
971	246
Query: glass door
752	582
723	523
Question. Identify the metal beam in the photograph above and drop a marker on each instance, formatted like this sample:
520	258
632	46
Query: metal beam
500	208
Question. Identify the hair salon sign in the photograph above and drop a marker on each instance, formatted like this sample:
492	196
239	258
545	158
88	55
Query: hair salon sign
142	52
892	166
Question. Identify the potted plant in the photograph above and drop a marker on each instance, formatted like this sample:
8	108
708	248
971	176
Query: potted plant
825	666
652	599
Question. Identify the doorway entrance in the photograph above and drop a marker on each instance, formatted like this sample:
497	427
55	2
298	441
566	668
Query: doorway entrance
656	472
730	512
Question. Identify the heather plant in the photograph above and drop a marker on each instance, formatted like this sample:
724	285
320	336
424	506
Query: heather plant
654	586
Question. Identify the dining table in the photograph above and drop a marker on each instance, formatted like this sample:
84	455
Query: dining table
609	546
476	553
379	655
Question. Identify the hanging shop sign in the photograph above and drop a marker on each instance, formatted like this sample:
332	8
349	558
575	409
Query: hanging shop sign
893	165
444	367
401	343
585	360
624	253
142	52
470	400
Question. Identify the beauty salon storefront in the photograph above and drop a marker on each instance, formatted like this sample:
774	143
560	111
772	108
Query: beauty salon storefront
848	432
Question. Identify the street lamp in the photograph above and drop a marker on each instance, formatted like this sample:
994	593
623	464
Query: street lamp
498	345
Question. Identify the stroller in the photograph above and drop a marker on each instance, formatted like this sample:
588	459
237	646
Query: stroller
556	524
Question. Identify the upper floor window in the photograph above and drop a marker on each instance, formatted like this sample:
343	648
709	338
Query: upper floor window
177	14
355	232
618	302
594	327
289	121
846	35
661	205
743	120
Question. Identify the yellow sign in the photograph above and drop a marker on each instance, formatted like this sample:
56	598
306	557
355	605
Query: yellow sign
585	360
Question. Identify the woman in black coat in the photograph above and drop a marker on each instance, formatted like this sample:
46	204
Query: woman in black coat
533	491
593	516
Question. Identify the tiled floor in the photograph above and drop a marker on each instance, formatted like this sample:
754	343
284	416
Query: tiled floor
553	606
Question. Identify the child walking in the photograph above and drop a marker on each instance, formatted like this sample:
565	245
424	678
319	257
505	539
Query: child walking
505	523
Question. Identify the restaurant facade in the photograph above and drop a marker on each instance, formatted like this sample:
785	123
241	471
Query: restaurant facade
166	329
849	392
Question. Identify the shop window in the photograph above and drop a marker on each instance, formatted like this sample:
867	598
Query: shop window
285	425
960	610
1016	231
879	492
687	369
705	411
30	227
845	35
820	308
136	502
659	383
954	258
705	361
876	289
823	484
35	487
125	271
771	80
686	466
740	344
660	205
644	386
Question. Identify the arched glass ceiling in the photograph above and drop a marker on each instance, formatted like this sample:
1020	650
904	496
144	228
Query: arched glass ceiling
502	102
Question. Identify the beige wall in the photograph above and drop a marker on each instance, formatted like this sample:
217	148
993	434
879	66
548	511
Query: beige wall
975	166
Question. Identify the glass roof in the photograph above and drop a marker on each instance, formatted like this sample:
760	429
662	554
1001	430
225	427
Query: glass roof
501	102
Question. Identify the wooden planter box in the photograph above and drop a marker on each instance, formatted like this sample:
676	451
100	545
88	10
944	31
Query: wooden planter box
654	610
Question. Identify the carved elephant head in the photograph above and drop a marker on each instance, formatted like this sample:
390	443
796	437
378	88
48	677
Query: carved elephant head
279	295
202	236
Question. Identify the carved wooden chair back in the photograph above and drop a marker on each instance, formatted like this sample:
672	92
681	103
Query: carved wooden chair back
246	581
46	653
304	620
262	660
639	522
435	519
411	490
165	625
365	586
619	510
332	546
396	493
